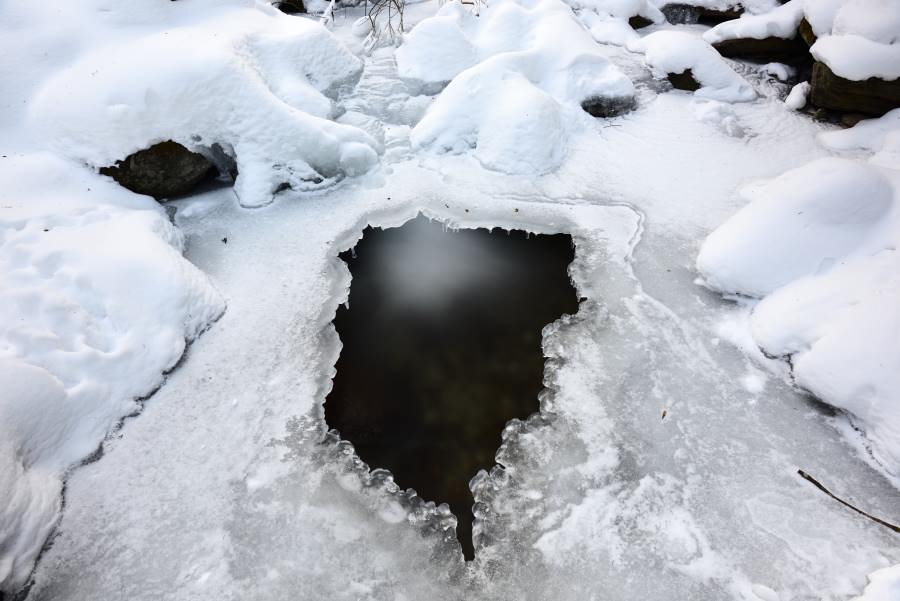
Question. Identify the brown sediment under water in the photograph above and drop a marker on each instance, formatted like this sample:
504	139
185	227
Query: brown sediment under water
442	347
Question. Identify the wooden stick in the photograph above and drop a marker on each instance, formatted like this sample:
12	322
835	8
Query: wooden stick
819	485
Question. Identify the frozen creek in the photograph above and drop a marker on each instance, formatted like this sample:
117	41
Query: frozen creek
663	465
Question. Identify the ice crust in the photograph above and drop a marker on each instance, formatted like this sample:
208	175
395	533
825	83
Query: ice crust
663	463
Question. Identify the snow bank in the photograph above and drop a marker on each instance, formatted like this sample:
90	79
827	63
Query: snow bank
517	104
818	245
97	302
250	80
879	136
675	52
781	22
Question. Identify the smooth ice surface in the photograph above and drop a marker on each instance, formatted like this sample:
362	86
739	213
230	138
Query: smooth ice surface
662	466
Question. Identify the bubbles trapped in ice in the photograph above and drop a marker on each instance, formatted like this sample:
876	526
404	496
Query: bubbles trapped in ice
441	348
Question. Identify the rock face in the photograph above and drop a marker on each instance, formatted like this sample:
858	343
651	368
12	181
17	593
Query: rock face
290	7
806	32
684	81
872	96
607	107
793	51
686	14
164	170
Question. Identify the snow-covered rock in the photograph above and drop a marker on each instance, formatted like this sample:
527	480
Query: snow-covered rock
517	104
610	21
674	52
223	81
818	245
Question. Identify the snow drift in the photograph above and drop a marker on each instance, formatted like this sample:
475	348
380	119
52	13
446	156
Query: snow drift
97	302
819	245
520	73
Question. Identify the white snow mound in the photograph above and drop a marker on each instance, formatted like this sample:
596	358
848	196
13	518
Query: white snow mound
607	20
819	245
517	106
96	303
246	79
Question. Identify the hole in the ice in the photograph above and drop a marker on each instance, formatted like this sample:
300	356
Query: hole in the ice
442	347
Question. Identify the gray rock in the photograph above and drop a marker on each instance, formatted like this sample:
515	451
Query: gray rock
597	106
164	170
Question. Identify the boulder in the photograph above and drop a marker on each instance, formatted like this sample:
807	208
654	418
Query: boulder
684	81
872	96
597	106
164	170
767	50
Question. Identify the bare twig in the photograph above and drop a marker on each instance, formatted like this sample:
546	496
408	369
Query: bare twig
821	487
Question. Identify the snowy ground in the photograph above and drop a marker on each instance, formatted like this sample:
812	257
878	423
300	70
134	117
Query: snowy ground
663	466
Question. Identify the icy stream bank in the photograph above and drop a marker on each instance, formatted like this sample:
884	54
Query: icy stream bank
664	465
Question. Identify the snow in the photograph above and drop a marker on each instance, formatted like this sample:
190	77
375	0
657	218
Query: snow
818	245
858	58
796	99
750	6
222	82
779	71
97	302
780	22
857	39
518	105
870	134
675	51
607	20
663	463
